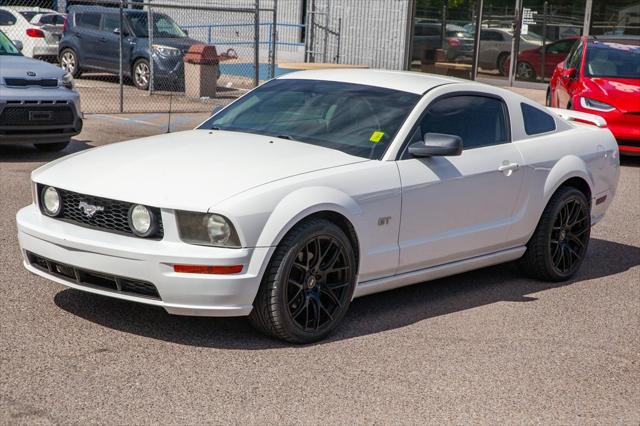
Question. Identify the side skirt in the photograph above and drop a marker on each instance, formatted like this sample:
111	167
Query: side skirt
435	272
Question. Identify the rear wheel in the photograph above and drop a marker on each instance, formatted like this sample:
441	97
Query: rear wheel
548	99
308	286
69	62
51	147
525	71
559	244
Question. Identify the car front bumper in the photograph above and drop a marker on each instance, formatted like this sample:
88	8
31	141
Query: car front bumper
144	260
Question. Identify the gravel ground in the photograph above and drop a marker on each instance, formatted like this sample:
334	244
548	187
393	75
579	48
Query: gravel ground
484	347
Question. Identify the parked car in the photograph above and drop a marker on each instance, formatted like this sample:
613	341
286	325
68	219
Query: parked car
495	47
529	66
601	76
458	45
38	104
38	29
91	38
321	186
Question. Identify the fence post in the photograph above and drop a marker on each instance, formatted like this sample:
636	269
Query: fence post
150	30
256	45
274	38
338	41
120	64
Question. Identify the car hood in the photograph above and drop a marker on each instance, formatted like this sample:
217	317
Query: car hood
623	93
19	66
192	170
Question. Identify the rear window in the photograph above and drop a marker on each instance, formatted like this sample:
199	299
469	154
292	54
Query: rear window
536	121
88	20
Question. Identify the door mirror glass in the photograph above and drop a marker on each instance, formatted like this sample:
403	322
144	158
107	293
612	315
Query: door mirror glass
437	144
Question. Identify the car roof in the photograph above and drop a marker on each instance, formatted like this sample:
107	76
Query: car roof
406	81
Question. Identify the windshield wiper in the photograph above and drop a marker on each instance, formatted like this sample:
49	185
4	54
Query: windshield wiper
284	137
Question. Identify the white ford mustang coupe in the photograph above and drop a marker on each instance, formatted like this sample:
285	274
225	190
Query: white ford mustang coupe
321	186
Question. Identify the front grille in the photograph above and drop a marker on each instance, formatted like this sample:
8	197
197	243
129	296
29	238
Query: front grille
99	280
37	115
114	217
23	82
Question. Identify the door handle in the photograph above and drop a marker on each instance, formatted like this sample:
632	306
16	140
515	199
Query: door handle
508	167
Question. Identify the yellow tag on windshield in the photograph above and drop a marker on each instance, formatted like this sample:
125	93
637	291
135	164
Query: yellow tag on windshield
376	136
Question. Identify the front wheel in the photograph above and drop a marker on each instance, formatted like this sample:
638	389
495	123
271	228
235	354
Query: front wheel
69	62
141	74
308	285
524	71
559	244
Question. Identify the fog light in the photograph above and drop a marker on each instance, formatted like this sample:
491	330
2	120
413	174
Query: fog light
141	221
51	201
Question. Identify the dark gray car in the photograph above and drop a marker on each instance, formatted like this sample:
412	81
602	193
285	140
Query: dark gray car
90	42
38	104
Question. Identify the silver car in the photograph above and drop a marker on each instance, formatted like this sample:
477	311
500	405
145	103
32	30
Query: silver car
495	47
38	103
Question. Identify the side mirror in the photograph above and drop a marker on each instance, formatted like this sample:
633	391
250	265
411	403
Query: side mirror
436	145
18	44
570	73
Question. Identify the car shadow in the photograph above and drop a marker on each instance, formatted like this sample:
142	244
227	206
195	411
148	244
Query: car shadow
27	153
368	315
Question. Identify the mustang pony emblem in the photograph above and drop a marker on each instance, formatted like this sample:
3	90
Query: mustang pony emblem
89	210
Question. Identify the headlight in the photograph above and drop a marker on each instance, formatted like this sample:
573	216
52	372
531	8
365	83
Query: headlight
596	105
142	221
51	203
67	81
165	50
207	229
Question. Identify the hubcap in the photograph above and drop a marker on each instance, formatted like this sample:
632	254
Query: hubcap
68	62
318	283
569	236
142	74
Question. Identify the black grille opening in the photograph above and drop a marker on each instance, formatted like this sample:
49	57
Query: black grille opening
37	115
94	279
23	82
113	217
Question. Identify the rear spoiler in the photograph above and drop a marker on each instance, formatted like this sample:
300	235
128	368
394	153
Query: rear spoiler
580	117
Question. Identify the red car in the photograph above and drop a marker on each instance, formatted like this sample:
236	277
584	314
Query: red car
529	65
601	76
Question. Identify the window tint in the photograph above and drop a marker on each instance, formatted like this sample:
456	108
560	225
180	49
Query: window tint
29	15
490	35
7	18
575	57
536	121
478	120
88	20
110	23
561	46
52	19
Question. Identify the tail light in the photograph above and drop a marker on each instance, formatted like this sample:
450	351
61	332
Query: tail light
453	42
65	24
35	33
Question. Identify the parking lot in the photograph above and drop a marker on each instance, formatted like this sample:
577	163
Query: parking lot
485	347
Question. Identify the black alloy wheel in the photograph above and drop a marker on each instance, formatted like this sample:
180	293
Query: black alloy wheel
308	285
559	244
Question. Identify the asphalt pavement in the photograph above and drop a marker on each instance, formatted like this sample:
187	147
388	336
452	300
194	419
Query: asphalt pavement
483	347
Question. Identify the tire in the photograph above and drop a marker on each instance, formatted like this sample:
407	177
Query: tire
51	147
303	297
548	98
141	73
501	63
70	63
559	244
525	71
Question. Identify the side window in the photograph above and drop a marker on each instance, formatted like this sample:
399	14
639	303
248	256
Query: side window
88	20
110	23
7	18
478	120
490	36
575	57
536	121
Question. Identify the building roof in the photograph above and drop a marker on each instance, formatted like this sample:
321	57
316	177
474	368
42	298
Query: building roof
412	82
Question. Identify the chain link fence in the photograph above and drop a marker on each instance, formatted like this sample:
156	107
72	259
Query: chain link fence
137	55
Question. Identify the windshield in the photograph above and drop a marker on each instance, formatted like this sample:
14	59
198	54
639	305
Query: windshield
620	59
356	119
6	46
163	26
